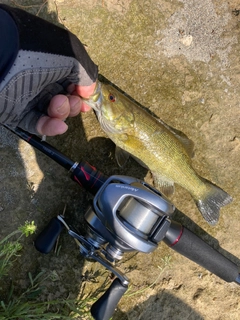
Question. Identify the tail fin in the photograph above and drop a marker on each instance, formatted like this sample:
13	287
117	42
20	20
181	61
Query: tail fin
210	205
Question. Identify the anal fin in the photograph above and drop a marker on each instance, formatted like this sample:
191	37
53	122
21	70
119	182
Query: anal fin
163	184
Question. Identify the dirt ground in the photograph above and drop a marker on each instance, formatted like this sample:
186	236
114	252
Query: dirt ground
179	58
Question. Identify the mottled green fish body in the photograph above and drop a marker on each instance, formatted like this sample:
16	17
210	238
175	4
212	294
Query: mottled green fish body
165	151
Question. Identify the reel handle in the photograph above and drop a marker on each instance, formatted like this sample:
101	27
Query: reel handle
46	240
105	306
194	248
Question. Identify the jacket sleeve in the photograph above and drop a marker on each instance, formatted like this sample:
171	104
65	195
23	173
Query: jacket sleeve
9	44
44	60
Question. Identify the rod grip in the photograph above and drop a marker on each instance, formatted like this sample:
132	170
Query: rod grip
104	307
191	246
88	177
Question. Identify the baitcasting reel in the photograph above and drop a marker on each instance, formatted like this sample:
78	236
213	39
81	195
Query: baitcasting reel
126	215
129	215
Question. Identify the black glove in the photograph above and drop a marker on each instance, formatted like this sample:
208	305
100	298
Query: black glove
47	59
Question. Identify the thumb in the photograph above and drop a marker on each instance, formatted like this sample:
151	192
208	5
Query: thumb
85	91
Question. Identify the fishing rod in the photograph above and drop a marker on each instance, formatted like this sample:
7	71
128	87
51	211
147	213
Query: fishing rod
126	215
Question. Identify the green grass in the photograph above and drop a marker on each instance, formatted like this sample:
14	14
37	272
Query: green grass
26	305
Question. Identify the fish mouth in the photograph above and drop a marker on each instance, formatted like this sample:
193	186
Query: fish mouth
96	99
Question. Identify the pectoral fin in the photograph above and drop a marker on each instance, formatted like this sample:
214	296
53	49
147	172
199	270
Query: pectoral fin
121	156
163	184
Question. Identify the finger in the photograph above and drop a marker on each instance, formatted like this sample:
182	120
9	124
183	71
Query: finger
51	126
85	91
85	107
75	103
59	107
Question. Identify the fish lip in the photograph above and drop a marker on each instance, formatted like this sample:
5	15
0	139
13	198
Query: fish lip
96	105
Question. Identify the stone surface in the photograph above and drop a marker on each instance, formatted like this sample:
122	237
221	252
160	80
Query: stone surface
181	60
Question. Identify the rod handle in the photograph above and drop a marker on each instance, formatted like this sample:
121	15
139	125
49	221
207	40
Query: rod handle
194	248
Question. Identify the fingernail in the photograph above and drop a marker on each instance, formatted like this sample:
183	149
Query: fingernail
63	108
75	100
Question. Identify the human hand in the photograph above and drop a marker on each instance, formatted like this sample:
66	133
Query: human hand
64	106
50	74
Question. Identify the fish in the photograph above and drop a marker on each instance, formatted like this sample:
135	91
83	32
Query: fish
165	151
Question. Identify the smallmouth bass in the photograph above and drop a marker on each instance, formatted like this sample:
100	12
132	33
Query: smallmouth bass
162	149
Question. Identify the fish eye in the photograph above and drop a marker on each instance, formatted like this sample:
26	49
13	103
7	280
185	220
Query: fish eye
112	97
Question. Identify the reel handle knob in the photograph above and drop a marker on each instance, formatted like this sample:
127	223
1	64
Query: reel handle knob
48	237
104	307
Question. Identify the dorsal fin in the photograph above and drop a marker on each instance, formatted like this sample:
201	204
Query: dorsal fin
185	141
